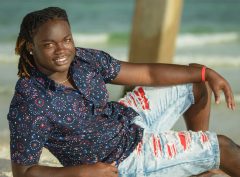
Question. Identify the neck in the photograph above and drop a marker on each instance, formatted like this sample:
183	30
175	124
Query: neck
63	81
59	77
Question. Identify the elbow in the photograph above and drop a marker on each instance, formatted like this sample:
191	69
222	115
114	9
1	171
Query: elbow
21	170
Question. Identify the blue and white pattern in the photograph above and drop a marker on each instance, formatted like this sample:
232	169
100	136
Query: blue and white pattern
79	126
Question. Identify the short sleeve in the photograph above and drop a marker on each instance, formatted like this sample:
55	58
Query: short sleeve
101	61
109	67
29	130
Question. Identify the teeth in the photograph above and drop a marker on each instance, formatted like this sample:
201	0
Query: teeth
60	59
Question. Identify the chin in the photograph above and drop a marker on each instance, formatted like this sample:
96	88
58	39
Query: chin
62	69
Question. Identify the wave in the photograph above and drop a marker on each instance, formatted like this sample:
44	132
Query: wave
8	58
6	90
80	39
213	61
117	43
236	98
183	40
230	61
186	40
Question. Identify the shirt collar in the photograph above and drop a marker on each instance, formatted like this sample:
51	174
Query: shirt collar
42	78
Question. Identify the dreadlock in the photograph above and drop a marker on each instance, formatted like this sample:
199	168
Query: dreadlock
30	24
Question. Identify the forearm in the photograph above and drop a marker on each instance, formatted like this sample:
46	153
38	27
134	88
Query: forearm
87	170
170	74
39	171
47	171
156	74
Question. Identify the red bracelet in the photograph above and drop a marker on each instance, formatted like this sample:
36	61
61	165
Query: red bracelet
203	73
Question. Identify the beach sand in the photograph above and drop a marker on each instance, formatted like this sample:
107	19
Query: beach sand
5	164
223	121
48	159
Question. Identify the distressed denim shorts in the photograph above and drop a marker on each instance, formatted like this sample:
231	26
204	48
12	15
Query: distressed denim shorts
163	152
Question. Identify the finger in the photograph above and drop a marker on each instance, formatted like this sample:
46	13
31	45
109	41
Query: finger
229	97
114	171
114	163
114	175
217	96
233	106
113	168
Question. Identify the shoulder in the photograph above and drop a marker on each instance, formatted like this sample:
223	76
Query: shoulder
25	89
24	85
93	56
80	51
27	100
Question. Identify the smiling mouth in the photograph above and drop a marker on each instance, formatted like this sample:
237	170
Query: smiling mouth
61	60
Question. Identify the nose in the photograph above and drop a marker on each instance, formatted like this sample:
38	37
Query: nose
59	48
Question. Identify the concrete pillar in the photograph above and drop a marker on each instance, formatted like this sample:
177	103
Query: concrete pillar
154	31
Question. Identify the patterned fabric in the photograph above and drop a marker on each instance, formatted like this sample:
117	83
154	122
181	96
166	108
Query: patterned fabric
79	126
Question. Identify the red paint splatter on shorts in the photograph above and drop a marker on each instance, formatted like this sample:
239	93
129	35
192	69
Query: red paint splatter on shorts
182	140
142	98
204	138
154	146
133	100
157	148
139	148
185	140
122	103
171	149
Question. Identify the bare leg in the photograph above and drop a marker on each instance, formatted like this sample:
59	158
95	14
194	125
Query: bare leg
197	116
229	156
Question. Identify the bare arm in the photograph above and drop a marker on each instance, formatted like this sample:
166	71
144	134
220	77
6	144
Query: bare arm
95	170
156	74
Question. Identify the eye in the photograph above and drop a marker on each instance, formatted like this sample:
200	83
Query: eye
68	40
48	45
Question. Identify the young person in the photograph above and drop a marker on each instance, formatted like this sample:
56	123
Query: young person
61	103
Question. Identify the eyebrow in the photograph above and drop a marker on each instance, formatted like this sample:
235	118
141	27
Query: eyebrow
50	40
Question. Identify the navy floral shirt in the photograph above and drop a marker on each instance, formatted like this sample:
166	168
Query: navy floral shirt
78	126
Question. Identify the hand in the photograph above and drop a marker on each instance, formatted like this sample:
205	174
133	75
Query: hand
217	83
99	170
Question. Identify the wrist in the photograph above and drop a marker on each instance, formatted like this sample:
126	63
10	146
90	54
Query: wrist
203	73
208	73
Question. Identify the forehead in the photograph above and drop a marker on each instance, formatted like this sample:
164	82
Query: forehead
52	30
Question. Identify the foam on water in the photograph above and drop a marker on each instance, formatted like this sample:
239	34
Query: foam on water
186	40
81	39
213	61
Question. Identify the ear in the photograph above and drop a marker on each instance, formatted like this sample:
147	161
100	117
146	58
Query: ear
30	47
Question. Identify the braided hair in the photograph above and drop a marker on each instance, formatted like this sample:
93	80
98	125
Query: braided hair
29	26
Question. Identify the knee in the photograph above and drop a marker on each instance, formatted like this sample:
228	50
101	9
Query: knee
224	142
201	93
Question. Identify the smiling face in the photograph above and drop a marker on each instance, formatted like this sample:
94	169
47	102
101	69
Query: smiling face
53	48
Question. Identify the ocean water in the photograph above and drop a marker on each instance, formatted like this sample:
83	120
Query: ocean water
107	23
209	34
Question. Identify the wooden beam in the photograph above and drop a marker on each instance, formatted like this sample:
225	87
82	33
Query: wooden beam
154	31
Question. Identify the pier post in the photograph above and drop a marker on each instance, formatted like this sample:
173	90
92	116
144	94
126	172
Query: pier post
154	30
